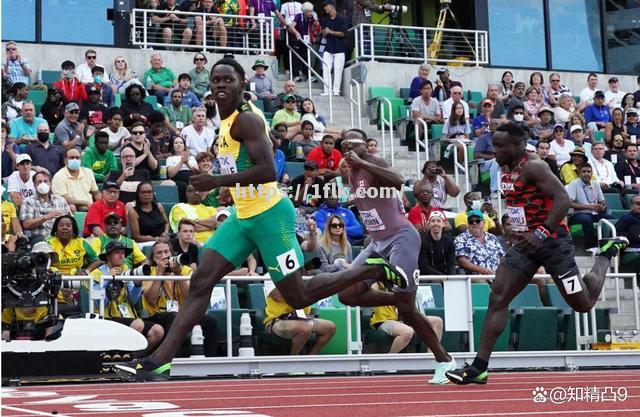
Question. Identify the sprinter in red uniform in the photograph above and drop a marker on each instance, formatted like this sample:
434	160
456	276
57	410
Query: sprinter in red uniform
537	204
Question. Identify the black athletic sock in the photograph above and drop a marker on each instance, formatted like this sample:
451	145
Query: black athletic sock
610	253
480	364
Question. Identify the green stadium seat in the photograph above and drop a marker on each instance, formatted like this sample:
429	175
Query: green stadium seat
535	327
166	193
613	201
117	101
221	318
373	340
379	91
436	131
598	136
627	201
474	96
480	302
270	106
355	251
295	169
153	100
338	343
80	216
267	344
49	77
38	97
404	94
576	99
454	341
259	104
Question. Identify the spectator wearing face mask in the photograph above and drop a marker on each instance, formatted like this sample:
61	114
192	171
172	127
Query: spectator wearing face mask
72	88
38	212
76	184
473	201
43	153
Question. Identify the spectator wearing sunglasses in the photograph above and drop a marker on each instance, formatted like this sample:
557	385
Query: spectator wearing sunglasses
335	249
199	75
70	133
83	72
288	115
15	66
478	251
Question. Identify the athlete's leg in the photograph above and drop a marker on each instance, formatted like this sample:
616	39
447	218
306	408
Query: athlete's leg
212	268
361	294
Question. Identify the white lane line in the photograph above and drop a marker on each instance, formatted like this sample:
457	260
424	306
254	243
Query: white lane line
33	412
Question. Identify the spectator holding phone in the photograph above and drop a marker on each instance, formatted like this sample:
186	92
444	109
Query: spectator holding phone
443	185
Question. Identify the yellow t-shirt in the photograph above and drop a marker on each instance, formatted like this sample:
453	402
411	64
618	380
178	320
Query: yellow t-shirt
8	213
382	314
9	315
169	291
193	212
234	157
461	218
99	243
275	309
72	257
64	185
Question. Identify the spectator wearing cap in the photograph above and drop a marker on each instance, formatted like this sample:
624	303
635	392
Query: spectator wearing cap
15	66
437	251
38	212
159	79
305	28
415	89
84	72
425	107
559	147
184	240
20	182
93	111
444	84
44	155
121	297
101	83
481	121
203	216
70	133
478	251
552	94
109	203
636	94
628	169
53	108
597	115
69	84
288	115
484	150
570	170
24	129
113	232
199	75
613	96
587	204
544	129
327	158
189	98
304	187
260	82
334	29
99	158
75	183
576	132
587	93
289	88
420	213
632	125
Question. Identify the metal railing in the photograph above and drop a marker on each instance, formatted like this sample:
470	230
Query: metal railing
419	143
204	31
411	44
384	122
464	167
357	102
306	62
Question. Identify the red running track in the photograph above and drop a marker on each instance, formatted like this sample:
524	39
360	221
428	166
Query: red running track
565	394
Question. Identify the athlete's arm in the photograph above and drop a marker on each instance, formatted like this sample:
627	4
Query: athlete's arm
249	128
386	175
539	173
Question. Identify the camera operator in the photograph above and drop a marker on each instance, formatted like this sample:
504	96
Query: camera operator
359	11
75	257
19	322
121	297
163	299
114	232
185	241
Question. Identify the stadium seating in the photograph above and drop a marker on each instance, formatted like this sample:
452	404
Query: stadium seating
534	326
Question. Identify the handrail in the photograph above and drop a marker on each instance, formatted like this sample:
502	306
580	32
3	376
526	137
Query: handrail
425	144
139	20
464	167
383	120
357	102
395	43
310	70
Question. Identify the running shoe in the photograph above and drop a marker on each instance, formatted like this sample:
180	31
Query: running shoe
613	244
144	370
468	375
439	376
391	274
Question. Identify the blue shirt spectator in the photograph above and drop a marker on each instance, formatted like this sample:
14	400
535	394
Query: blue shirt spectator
354	229
281	166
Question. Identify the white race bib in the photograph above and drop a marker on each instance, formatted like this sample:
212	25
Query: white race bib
227	165
288	262
179	125
172	305
571	285
124	311
518	219
372	220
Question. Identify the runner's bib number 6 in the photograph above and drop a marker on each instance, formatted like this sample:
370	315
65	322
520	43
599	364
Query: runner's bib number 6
518	219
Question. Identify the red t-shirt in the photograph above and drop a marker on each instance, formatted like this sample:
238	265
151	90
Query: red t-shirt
97	211
322	160
73	90
419	215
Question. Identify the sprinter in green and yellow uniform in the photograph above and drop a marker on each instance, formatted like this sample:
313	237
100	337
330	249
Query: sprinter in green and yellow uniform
263	218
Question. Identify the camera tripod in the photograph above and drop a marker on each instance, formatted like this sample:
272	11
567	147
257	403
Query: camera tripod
397	42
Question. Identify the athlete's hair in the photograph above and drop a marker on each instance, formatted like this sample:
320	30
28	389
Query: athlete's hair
231	61
514	131
362	133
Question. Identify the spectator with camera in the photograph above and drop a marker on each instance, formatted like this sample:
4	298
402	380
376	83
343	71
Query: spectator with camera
113	232
128	177
121	297
162	299
38	212
444	88
185	242
443	184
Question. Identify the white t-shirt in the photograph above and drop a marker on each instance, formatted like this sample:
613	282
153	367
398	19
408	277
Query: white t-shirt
612	99
198	142
561	152
115	139
604	171
587	95
318	127
174	159
290	9
446	108
16	185
83	72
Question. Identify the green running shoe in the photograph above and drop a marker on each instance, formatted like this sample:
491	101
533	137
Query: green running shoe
391	275
468	375
612	245
144	370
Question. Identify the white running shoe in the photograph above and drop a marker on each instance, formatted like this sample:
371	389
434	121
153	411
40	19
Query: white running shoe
439	376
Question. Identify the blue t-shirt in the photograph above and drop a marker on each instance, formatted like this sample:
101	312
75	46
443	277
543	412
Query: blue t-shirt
594	113
479	120
281	166
335	44
633	130
484	143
